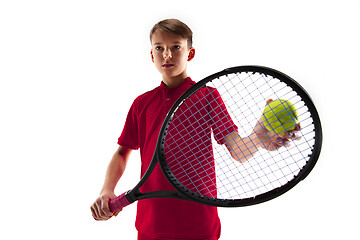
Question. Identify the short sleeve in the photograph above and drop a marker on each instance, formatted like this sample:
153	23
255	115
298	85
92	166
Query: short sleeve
220	119
129	136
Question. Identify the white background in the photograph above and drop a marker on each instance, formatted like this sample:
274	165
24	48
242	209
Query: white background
69	71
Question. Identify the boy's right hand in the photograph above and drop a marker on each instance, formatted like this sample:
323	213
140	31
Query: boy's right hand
100	208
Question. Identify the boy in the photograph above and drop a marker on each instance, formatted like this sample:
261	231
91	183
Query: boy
161	218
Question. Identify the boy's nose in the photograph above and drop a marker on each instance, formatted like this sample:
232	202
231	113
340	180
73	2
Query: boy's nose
167	54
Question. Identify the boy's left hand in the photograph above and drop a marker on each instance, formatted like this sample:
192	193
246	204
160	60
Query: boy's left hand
272	141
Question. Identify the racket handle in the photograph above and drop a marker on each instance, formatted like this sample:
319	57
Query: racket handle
118	203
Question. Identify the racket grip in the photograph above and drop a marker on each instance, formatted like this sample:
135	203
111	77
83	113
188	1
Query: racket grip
118	203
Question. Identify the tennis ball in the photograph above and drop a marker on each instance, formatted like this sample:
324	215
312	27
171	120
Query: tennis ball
280	116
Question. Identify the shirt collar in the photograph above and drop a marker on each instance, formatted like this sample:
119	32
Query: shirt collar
188	80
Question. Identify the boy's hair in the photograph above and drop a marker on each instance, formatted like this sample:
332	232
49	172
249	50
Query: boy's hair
174	26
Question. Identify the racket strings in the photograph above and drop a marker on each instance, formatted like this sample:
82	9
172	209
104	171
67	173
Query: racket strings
204	166
194	169
195	183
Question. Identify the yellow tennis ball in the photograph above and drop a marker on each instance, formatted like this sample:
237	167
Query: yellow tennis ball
280	116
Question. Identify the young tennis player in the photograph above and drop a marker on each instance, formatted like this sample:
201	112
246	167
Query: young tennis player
159	218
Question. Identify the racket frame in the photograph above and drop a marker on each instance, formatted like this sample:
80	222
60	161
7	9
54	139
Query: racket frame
259	198
182	192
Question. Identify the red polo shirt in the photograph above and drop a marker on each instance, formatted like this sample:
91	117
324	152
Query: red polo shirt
163	218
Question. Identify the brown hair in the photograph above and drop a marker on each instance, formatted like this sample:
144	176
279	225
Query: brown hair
174	26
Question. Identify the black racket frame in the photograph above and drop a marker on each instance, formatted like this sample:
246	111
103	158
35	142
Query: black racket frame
184	193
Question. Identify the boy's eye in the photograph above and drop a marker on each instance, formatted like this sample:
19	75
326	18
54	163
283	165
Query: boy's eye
176	47
158	48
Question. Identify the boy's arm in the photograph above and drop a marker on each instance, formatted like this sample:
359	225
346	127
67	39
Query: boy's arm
100	208
241	149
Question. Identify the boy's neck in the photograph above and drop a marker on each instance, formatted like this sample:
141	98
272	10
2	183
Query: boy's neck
174	81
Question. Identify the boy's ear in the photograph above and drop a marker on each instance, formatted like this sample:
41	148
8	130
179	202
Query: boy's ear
191	54
152	56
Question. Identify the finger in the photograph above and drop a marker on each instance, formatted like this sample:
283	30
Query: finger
294	135
291	135
105	207
98	212
268	101
95	212
296	129
102	215
286	135
278	143
286	142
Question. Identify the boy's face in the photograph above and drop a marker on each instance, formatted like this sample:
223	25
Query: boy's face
170	53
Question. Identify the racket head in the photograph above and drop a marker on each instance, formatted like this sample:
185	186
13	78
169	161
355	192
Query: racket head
212	177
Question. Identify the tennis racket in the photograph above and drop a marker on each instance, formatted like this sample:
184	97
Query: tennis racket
214	149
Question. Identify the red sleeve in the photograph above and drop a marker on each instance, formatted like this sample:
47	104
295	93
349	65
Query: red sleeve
220	119
129	136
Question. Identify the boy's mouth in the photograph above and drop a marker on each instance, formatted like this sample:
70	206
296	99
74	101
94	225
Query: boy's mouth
167	65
